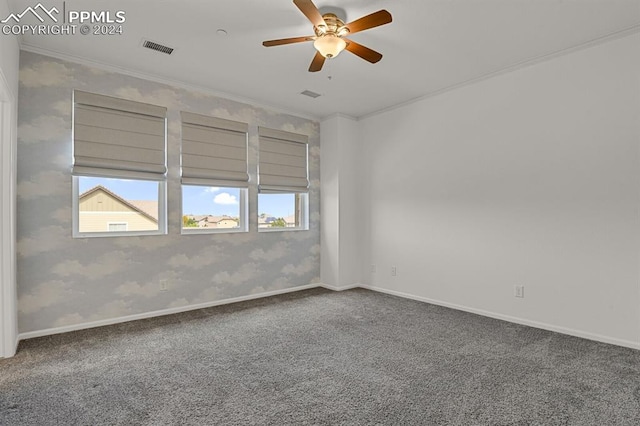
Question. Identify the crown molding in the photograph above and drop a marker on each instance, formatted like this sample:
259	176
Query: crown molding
162	80
626	32
339	115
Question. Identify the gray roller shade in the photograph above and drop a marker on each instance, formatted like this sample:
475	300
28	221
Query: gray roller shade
282	163
214	151
117	137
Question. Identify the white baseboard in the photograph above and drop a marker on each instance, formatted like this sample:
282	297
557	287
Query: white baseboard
522	321
516	320
340	288
110	321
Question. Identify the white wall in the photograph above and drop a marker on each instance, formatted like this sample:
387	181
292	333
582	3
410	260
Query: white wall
329	202
340	201
9	54
350	202
9	63
528	178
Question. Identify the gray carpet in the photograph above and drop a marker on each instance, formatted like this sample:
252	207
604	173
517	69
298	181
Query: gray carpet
319	357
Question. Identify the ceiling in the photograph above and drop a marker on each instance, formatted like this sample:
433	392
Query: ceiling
430	46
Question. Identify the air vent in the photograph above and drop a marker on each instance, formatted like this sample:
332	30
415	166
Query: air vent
310	94
157	47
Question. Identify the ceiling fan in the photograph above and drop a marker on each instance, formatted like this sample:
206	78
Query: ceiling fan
330	32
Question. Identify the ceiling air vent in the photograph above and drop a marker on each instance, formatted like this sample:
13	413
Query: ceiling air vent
310	94
157	47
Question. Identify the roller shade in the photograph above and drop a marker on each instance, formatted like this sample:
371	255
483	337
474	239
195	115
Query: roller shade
118	138
214	151
282	163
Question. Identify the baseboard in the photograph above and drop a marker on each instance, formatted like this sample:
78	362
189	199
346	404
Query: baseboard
516	320
340	288
111	321
522	321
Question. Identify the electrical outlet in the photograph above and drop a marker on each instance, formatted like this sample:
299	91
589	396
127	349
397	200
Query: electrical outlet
164	285
373	269
394	271
518	291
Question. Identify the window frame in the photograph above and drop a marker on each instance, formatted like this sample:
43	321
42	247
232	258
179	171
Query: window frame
75	206
303	213
243	216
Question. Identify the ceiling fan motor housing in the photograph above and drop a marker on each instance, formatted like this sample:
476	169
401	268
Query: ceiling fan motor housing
333	26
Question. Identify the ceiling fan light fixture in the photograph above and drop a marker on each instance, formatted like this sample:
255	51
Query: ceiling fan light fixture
329	45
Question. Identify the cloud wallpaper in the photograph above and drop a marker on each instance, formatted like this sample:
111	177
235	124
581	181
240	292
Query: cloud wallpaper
64	281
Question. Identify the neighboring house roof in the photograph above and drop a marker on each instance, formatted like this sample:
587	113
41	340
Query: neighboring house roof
147	206
212	219
216	219
127	203
269	219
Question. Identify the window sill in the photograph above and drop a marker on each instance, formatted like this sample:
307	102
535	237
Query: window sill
204	231
276	229
117	234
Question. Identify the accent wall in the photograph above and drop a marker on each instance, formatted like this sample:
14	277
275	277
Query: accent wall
65	282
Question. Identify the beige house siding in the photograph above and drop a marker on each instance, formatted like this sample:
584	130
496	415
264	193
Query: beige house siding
99	209
215	222
227	223
100	201
99	221
291	220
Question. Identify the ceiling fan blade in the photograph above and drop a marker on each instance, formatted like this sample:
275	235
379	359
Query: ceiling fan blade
310	11
362	51
373	20
317	63
291	40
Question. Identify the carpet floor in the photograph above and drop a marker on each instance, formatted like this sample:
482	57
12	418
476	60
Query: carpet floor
319	357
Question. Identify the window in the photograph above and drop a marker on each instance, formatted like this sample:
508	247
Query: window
282	210
283	185
119	167
214	174
109	206
213	209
